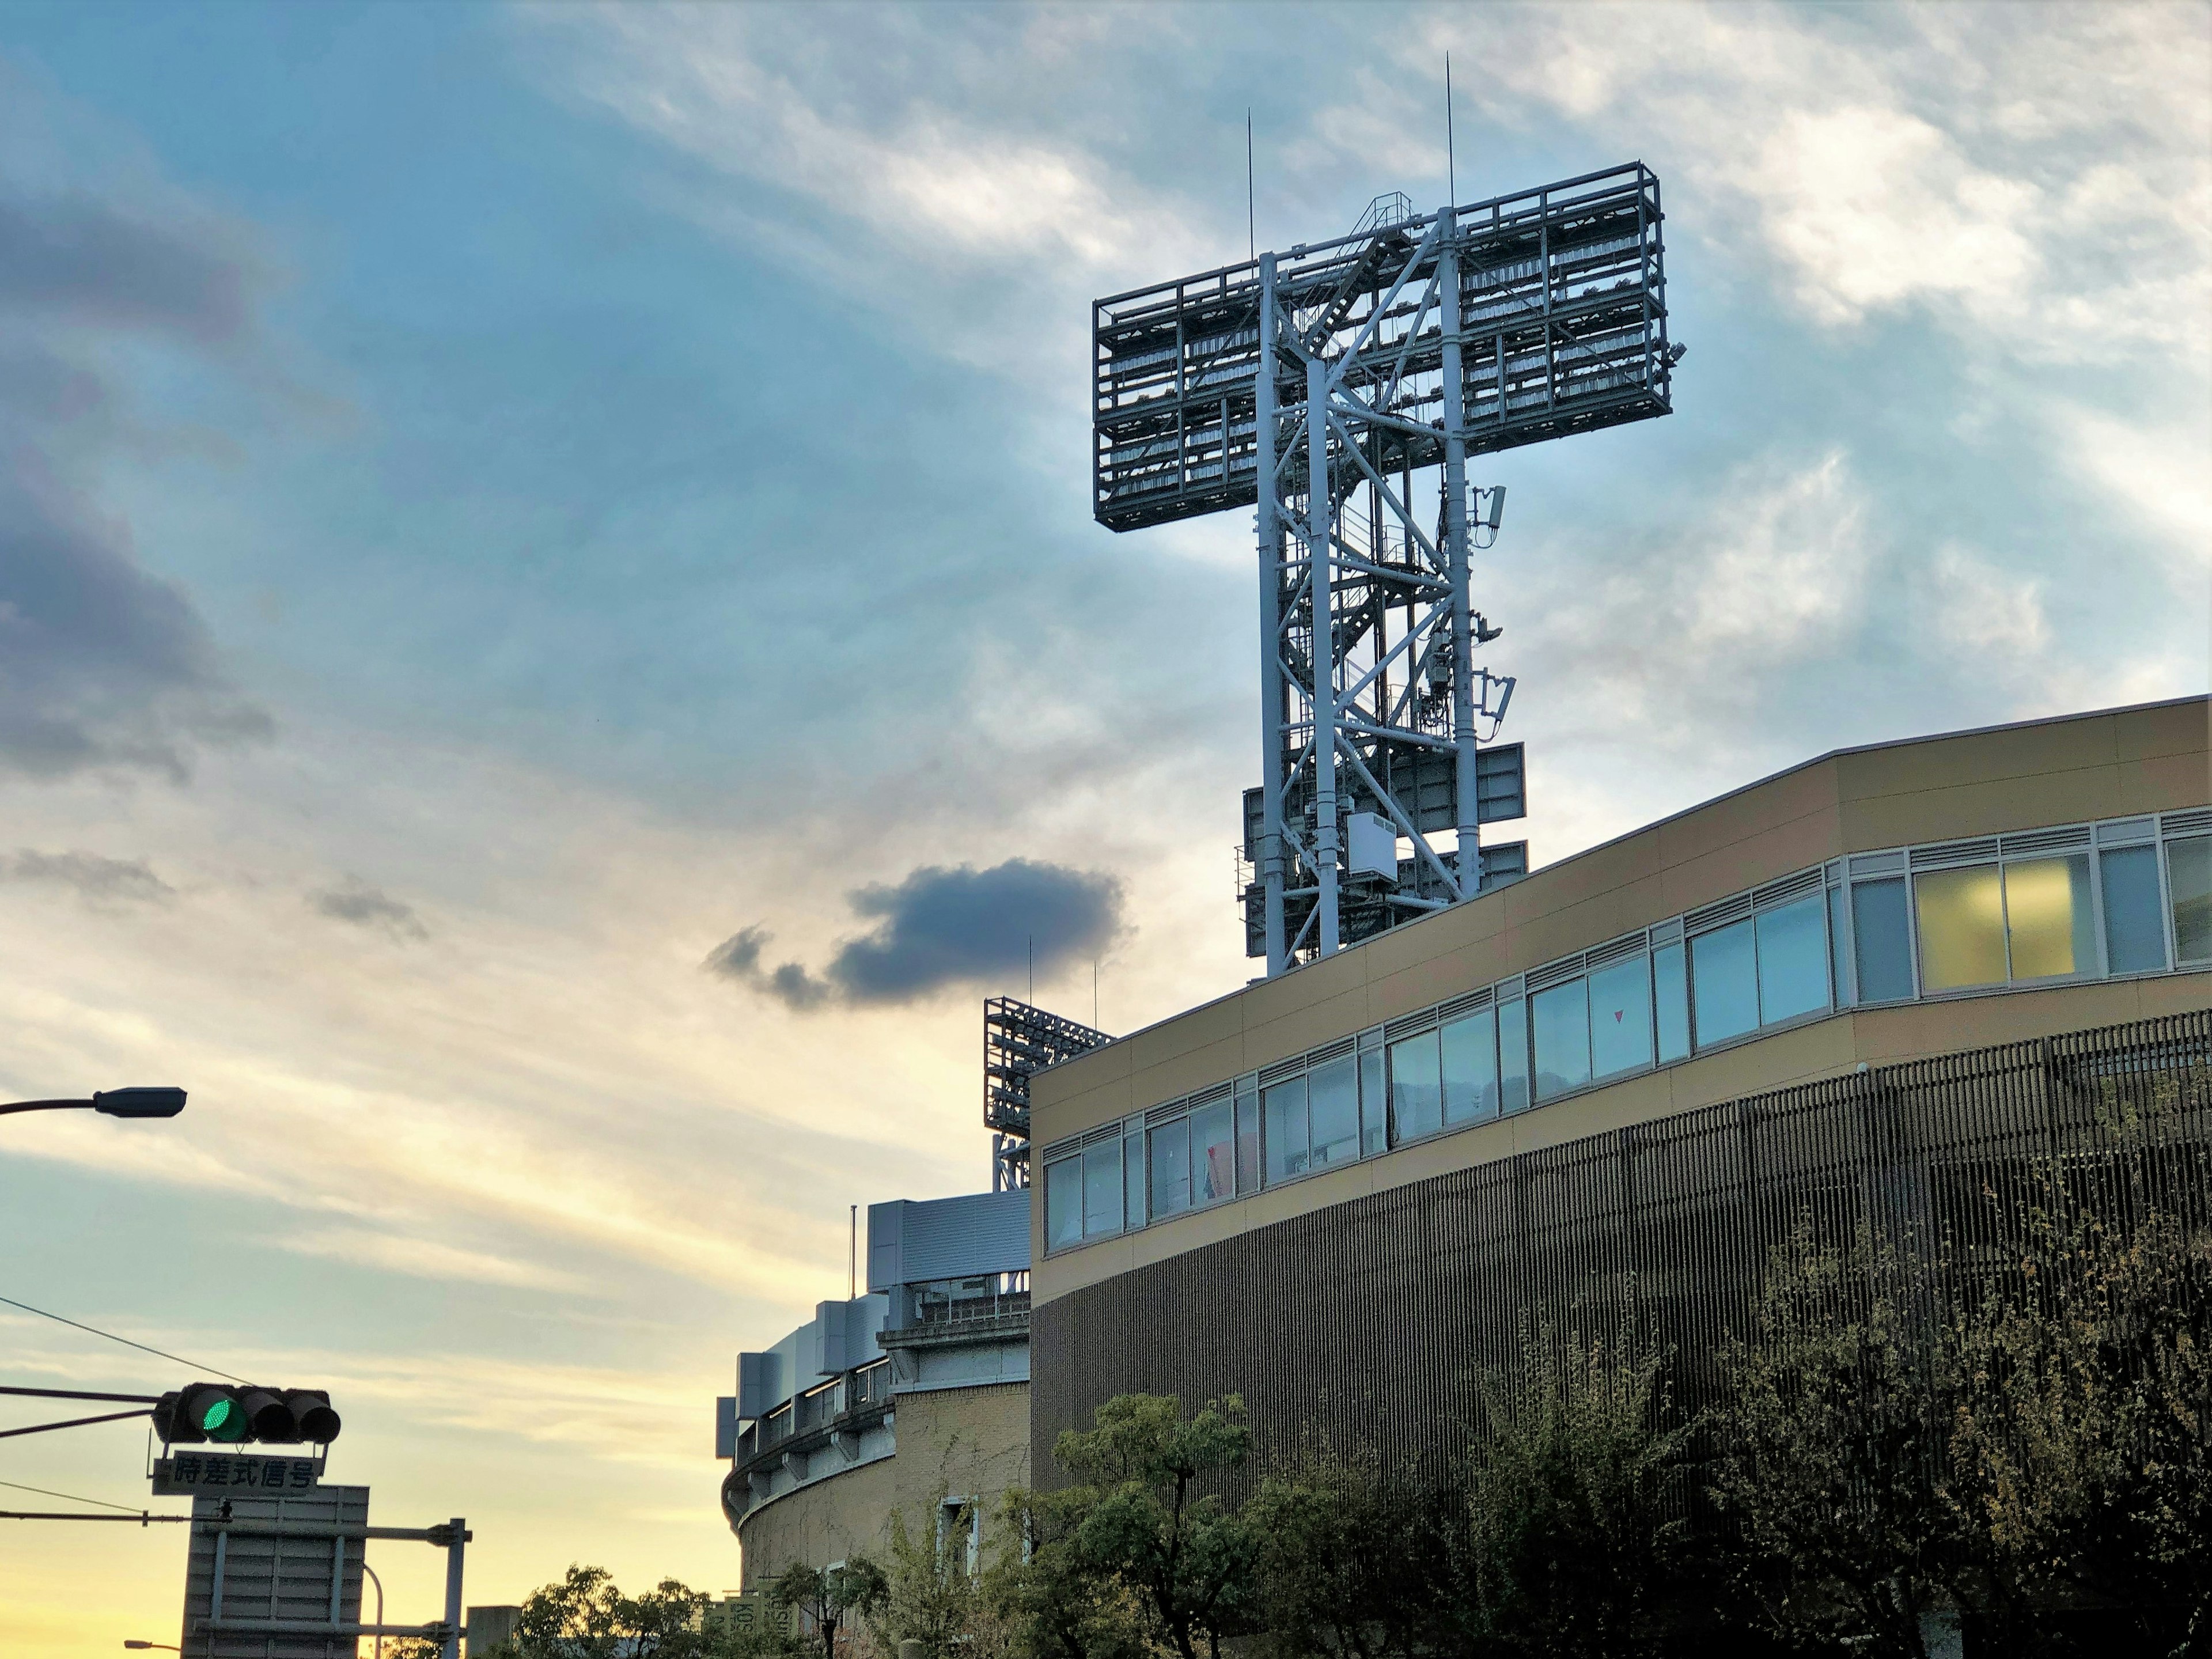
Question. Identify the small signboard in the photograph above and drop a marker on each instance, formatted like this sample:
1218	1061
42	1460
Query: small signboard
190	1474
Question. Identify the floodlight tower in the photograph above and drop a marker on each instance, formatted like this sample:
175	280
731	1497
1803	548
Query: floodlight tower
1319	385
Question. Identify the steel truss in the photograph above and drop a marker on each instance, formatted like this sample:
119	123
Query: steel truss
1318	385
1019	1041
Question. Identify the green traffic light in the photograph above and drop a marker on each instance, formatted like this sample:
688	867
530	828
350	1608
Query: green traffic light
224	1421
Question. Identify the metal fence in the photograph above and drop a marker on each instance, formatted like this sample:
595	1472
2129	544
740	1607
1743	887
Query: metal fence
1373	1322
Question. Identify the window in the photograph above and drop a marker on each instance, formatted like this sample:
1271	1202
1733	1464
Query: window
1102	1188
1725	983
2189	878
1470	1051
1793	959
1132	1174
2135	934
1620	1018
1283	1110
1214	1152
2048	918
1961	915
1671	999
1333	1102
1063	1203
1882	937
1247	1138
1417	1106
1170	1161
1560	1016
1840	967
1373	1104
1513	1056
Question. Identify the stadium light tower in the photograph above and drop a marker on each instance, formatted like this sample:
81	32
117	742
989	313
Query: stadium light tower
1321	385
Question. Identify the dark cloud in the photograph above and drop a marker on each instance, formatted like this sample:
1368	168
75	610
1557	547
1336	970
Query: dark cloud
103	664
99	881
355	902
942	928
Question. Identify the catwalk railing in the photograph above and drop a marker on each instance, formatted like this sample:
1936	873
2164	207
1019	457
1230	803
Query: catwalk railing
1372	1324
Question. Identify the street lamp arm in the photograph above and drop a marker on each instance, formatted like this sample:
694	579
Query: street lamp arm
46	1106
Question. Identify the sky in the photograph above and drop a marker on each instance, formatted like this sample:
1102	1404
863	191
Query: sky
552	645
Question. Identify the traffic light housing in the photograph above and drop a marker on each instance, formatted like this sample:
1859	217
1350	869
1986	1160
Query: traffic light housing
232	1414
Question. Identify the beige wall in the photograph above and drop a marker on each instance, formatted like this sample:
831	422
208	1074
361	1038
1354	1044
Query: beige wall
966	1442
2051	772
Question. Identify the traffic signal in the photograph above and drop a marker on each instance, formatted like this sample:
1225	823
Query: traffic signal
232	1414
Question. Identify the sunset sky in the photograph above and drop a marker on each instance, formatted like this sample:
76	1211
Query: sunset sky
552	645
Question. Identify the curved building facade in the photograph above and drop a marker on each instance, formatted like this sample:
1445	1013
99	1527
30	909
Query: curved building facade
1315	1190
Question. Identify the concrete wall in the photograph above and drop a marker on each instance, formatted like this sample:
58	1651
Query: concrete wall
2150	759
968	1443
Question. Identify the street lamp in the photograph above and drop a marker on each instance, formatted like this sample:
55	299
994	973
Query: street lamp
168	1646
116	1103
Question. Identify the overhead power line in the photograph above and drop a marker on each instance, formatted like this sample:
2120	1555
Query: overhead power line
70	1497
125	1340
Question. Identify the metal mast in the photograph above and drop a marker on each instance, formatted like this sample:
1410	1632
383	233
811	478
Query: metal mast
1319	386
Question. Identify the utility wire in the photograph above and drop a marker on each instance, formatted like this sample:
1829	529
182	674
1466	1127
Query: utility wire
70	1497
125	1340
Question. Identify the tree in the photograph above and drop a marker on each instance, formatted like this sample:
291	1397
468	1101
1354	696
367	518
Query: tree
1137	1516
587	1616
930	1596
1048	1598
1572	1499
824	1597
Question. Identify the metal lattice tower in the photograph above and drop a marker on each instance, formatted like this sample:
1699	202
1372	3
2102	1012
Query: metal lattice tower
1019	1041
1332	386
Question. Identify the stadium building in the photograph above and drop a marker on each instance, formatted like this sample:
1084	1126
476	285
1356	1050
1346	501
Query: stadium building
1854	987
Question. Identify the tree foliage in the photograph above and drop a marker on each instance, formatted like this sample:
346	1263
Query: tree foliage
587	1616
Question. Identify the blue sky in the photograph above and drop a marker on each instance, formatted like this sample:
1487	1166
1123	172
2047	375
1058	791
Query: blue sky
498	502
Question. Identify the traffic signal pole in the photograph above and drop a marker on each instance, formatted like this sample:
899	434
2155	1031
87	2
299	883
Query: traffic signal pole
457	1538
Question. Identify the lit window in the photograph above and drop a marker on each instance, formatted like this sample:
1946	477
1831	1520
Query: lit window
1513	1056
1214	1152
1560	1018
2047	913
1793	960
1332	1100
1671	999
1416	1090
2189	876
2135	933
1725	983
1102	1188
1171	1160
1283	1110
1063	1203
1881	935
1961	915
1470	1049
1620	1018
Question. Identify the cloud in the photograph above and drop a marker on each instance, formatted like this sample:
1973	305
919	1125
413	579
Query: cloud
941	927
426	1258
101	882
354	901
104	664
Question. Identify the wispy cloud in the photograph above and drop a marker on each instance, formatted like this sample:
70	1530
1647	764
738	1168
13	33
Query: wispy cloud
358	902
102	882
429	1258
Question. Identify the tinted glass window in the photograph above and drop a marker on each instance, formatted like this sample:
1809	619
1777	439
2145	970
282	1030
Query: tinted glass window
1248	1140
1793	959
1416	1087
1334	1108
1513	1056
1170	1158
1882	940
1213	1153
1620	1018
1470	1047
1560	1018
1373	1104
1839	968
1670	985
2134	932
1102	1188
1132	1181
1961	915
1063	1202
2048	915
2189	878
1282	1108
1725	983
